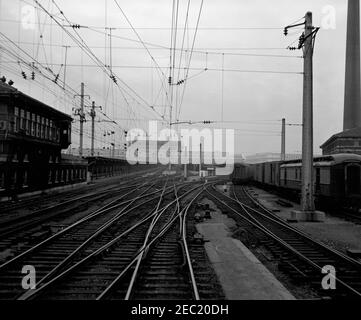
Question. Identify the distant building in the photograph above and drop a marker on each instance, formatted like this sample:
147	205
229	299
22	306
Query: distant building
348	141
269	157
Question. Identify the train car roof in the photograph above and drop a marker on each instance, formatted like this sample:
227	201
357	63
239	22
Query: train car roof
9	91
238	164
264	163
326	160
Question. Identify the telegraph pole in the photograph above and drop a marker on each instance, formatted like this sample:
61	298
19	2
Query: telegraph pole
82	119
200	158
92	114
170	123
307	201
283	140
306	43
81	114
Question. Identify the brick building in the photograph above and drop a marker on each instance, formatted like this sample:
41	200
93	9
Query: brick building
348	141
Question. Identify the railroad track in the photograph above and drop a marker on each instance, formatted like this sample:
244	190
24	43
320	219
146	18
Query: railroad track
25	231
14	228
170	265
84	251
345	213
298	255
65	241
37	202
164	269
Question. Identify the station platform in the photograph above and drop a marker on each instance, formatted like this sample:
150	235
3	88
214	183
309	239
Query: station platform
241	274
335	232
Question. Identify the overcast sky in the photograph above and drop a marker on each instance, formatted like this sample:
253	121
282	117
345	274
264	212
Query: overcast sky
255	101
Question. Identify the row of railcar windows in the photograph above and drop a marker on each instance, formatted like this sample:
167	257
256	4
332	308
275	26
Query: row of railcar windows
35	125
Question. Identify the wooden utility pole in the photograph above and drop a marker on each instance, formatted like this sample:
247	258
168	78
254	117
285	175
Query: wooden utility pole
307	201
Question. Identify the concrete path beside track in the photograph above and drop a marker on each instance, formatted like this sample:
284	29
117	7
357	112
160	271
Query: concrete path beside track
241	274
334	231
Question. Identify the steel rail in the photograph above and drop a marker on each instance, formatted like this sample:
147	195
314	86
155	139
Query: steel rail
254	222
33	293
140	257
8	228
277	219
105	209
183	233
139	253
99	231
185	245
50	207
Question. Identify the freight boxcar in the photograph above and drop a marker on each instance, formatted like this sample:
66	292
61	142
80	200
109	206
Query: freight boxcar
242	173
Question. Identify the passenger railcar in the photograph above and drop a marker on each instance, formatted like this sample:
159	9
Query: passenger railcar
337	178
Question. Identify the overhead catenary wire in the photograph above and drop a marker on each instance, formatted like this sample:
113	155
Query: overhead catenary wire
190	58
200	50
81	43
52	73
47	69
157	28
145	47
191	69
182	51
